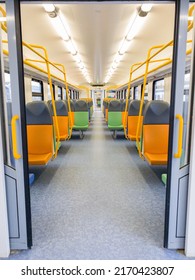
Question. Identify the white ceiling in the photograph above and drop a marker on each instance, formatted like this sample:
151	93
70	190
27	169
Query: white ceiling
97	31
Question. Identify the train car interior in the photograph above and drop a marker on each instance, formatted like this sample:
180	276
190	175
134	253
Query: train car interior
105	107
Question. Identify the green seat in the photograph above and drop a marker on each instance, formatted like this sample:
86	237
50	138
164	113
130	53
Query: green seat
164	178
115	121
81	121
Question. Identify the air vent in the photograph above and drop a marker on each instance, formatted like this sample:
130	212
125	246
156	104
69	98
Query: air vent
98	85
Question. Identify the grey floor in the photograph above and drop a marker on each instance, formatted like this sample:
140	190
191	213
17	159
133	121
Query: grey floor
98	200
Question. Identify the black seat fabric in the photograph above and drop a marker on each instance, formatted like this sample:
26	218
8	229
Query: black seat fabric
38	112
114	106
81	106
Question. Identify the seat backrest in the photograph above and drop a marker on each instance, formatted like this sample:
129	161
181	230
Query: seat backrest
39	128
156	127
81	106
133	117
62	118
71	105
123	105
61	108
114	106
134	106
114	114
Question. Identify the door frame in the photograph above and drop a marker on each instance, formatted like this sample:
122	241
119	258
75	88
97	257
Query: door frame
4	232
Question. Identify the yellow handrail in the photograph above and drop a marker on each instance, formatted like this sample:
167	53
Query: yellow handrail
14	137
67	96
46	59
180	136
65	83
149	57
48	72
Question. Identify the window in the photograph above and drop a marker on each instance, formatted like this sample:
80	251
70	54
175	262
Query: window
146	91
131	93
186	87
158	90
70	93
135	93
37	90
8	87
60	96
49	93
125	93
64	93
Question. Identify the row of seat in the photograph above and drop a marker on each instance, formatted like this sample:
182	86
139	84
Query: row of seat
41	132
153	130
116	110
89	102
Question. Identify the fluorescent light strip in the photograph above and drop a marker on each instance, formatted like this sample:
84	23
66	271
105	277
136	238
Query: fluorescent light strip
59	27
2	19
62	29
146	7
134	27
49	8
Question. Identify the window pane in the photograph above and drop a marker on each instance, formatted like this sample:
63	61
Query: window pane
8	87
37	90
59	93
136	93
49	92
146	92
64	93
36	86
186	120
159	90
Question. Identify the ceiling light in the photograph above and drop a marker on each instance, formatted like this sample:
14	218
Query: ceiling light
124	47
118	58
77	58
59	27
114	65
135	27
81	66
2	19
49	8
146	7
71	47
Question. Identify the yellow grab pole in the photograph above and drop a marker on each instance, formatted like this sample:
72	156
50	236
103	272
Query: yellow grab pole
16	155
56	128
180	136
128	96
68	98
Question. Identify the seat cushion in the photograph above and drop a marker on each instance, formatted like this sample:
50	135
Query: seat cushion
63	127
40	159
156	159
132	127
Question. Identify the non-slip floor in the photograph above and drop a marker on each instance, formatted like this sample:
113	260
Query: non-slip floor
97	200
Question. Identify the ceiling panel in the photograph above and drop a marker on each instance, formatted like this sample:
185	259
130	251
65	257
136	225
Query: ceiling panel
97	31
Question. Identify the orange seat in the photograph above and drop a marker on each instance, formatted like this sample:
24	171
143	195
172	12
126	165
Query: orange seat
63	127
40	144
71	117
155	143
106	114
132	127
40	137
123	118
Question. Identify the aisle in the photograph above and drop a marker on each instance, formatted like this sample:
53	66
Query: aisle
97	200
